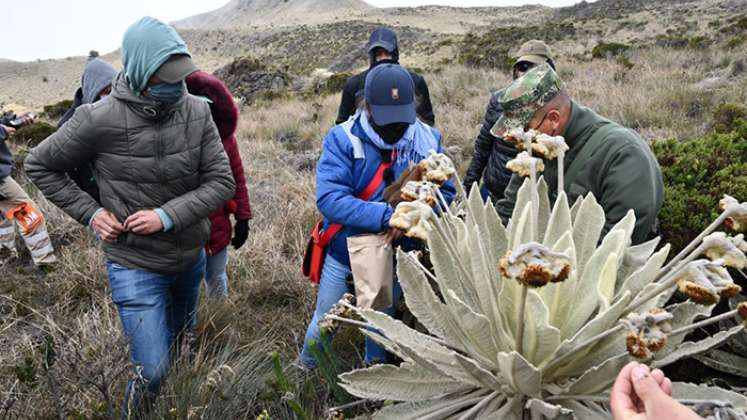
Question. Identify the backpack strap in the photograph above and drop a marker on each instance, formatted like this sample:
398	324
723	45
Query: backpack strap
355	141
326	236
591	146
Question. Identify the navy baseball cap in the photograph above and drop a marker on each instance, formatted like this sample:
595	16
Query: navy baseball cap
390	95
382	37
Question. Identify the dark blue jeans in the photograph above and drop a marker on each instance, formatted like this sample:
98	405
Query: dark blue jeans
154	309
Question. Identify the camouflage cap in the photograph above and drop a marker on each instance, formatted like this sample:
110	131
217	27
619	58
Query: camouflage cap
534	51
525	96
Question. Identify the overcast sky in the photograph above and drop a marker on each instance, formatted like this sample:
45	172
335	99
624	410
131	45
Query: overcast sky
56	29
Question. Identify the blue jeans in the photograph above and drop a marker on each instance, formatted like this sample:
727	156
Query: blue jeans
154	309
332	286
216	278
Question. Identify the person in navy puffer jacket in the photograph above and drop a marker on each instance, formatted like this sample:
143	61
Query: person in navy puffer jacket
387	129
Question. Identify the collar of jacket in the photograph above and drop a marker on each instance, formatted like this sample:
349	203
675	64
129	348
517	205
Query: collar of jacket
583	123
143	105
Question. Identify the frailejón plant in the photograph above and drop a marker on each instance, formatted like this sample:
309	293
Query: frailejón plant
535	319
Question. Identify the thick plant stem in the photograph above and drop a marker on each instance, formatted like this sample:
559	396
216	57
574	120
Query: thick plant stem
716	223
705	322
606	399
348	321
561	172
667	282
520	325
582	345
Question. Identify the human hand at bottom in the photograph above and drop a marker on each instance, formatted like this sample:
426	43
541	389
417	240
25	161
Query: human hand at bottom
642	394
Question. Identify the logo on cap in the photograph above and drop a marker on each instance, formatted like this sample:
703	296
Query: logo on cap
395	94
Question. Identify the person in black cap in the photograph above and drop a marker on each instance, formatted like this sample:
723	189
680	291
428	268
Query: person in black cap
383	49
384	133
492	153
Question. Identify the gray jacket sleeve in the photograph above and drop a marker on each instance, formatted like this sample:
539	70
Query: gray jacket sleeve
216	183
47	165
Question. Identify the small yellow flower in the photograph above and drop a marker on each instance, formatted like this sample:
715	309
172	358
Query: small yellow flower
738	219
412	218
647	333
535	265
424	191
722	247
438	168
705	282
549	147
522	164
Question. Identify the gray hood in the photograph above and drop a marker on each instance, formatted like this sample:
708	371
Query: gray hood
97	75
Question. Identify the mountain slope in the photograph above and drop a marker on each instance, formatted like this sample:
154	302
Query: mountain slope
242	13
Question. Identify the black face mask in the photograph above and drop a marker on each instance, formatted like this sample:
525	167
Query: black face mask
390	133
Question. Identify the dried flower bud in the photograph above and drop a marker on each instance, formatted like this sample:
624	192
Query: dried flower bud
722	247
647	332
518	138
535	265
742	311
420	190
705	282
738	219
549	147
335	415
338	309
522	164
412	218
438	168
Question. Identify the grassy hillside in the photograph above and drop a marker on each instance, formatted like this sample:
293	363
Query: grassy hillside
62	353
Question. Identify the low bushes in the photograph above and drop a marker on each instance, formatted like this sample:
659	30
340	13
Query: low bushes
697	174
608	49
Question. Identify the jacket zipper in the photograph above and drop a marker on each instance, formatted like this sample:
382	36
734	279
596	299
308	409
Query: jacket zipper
162	167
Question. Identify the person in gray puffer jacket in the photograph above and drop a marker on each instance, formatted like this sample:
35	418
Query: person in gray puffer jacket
161	171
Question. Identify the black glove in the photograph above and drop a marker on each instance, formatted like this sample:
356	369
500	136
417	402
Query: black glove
240	233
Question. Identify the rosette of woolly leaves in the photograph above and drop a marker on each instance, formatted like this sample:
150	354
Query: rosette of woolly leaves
467	366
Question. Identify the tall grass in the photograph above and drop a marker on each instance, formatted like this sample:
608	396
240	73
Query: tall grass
68	314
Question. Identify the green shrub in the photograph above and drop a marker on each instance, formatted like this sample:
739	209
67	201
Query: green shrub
57	110
697	174
725	117
33	134
608	49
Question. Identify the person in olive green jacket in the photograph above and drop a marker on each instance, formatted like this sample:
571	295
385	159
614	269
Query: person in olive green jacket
604	158
161	170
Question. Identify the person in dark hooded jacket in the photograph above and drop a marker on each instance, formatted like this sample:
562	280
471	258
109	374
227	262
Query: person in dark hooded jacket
383	48
96	83
492	153
226	117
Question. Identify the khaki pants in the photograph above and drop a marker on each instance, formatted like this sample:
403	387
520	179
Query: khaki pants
37	241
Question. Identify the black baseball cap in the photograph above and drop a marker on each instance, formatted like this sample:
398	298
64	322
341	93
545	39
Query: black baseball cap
390	95
382	37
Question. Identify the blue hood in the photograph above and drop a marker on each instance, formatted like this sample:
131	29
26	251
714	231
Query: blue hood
97	75
147	44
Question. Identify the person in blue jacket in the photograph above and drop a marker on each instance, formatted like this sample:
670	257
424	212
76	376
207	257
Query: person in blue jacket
385	130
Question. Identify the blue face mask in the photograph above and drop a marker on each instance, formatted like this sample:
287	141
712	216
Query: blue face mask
167	93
